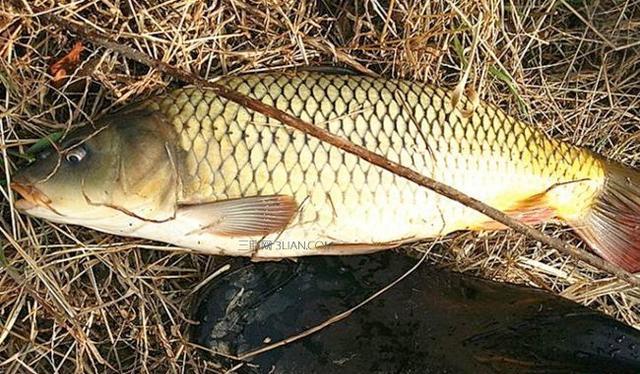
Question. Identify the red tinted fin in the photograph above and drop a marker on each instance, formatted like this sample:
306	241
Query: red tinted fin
532	210
612	225
247	216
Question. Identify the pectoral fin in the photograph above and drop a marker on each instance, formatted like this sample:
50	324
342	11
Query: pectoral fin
249	216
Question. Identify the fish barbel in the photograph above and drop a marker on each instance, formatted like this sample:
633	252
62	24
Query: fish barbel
191	168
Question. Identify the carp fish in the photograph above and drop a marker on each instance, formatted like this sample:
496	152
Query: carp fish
191	168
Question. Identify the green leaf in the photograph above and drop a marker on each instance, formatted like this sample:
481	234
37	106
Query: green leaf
500	74
6	81
44	142
457	47
3	259
25	156
30	154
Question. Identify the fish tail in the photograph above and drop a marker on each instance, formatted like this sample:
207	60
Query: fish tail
611	223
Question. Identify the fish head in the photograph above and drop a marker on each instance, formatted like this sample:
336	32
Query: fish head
118	172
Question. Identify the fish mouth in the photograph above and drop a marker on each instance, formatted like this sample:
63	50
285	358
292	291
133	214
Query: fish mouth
31	197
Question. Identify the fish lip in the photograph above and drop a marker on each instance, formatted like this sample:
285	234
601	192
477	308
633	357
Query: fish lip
30	196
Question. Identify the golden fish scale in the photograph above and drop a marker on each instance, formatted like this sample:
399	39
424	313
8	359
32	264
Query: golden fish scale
232	152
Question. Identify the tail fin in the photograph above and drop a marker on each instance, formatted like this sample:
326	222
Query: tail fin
612	226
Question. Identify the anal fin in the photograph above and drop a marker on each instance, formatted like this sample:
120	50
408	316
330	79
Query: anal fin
532	210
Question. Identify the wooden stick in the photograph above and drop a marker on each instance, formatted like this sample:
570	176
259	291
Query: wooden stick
337	141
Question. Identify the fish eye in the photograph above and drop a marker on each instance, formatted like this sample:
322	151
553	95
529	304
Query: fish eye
75	155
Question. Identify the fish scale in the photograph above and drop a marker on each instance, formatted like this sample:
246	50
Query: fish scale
231	152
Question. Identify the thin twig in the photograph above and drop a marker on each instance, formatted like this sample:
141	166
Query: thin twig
337	141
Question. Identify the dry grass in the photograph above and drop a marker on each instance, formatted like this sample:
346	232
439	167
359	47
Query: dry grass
72	299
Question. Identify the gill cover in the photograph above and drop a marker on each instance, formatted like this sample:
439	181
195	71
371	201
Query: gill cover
144	167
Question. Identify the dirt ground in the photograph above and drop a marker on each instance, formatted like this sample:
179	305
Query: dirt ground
76	300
